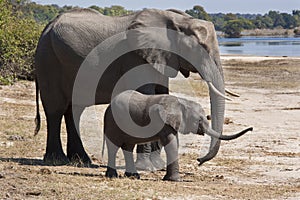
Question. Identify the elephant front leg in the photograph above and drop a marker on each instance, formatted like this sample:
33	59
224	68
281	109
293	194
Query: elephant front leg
75	150
171	147
54	152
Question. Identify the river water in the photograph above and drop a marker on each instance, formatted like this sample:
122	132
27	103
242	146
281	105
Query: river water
260	46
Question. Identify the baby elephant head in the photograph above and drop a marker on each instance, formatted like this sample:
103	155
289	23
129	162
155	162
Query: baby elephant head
189	117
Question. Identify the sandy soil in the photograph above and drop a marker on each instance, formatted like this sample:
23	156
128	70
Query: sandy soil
264	164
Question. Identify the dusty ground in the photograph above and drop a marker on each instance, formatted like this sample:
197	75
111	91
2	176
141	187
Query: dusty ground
264	164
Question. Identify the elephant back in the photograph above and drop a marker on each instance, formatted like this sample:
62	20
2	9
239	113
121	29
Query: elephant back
81	30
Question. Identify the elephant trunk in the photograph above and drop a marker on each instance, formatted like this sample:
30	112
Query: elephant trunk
217	113
215	134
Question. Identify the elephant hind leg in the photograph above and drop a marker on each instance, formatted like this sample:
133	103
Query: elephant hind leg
129	162
75	150
54	152
112	149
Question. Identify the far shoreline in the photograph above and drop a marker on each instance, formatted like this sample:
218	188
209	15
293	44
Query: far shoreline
277	32
254	58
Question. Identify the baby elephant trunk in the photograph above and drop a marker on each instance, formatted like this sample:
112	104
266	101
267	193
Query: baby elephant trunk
215	134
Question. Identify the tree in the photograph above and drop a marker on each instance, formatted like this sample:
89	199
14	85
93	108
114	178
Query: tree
246	24
296	15
198	12
233	28
268	22
230	16
290	21
218	20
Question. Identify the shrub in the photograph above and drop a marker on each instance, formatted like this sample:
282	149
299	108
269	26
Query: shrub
18	39
297	31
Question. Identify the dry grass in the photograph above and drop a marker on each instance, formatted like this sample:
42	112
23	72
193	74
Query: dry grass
269	74
193	86
24	176
22	180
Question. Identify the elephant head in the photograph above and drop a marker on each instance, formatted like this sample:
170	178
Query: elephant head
172	41
189	117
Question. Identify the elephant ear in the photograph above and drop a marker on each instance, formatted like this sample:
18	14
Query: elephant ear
170	111
148	34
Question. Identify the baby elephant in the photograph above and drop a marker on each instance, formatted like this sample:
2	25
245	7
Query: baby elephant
133	118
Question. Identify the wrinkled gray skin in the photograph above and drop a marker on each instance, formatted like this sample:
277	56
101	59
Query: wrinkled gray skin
170	113
68	39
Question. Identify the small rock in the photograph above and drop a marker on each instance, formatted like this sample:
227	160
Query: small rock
45	171
34	193
219	177
16	138
2	176
228	121
287	169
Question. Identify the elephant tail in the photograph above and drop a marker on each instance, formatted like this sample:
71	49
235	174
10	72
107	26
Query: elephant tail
37	117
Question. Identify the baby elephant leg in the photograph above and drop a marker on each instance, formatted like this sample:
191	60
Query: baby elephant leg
171	147
112	150
129	162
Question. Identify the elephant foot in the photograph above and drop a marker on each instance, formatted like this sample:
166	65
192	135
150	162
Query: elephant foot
80	160
172	177
111	173
132	175
144	164
157	161
56	159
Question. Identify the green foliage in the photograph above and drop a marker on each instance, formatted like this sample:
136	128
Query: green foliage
18	39
271	20
233	28
262	22
230	16
40	13
199	13
112	11
296	15
218	20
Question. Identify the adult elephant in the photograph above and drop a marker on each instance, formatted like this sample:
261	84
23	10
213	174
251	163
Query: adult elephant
69	38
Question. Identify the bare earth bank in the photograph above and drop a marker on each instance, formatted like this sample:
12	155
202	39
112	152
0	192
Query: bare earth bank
264	164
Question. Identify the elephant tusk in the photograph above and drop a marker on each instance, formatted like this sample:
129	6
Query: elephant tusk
232	93
213	88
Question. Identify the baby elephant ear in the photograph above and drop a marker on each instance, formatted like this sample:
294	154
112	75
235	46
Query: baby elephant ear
170	113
